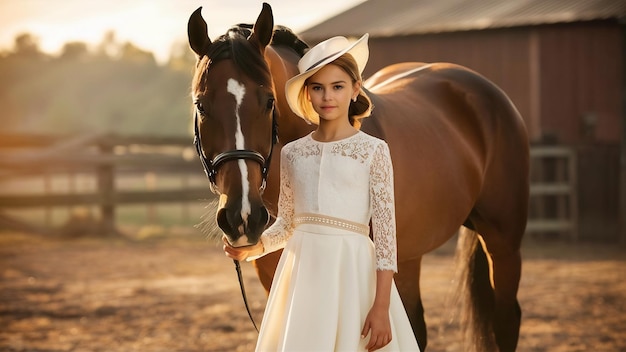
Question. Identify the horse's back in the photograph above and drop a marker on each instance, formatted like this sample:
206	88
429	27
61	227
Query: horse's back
445	126
443	104
392	73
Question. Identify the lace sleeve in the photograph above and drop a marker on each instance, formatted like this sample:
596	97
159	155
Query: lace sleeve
383	209
275	236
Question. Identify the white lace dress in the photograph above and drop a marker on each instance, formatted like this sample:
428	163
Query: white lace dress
325	281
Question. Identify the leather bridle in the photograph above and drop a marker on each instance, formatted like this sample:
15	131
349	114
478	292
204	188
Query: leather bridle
211	166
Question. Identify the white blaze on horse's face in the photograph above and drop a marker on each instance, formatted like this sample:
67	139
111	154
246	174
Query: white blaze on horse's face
239	91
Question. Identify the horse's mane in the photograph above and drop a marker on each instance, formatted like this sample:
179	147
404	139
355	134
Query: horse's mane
234	45
284	36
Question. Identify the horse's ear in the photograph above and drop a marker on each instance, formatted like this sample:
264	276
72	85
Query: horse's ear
263	27
197	32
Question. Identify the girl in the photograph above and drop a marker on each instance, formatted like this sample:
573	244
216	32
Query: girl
333	289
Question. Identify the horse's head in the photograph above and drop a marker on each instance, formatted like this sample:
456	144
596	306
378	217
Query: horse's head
234	122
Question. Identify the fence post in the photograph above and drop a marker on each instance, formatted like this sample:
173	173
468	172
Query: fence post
47	189
622	157
150	179
106	189
559	180
573	195
185	205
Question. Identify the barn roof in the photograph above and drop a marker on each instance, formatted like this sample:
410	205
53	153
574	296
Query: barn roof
385	18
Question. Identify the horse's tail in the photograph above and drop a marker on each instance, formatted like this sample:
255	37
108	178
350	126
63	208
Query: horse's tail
474	295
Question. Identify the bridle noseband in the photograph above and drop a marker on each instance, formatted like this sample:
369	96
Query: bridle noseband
211	166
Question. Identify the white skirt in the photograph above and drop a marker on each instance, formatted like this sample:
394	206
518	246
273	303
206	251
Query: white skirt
322	291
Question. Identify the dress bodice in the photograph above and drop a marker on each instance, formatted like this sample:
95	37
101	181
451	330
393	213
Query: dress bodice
351	179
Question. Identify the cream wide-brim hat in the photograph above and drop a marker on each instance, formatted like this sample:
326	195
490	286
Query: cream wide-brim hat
318	57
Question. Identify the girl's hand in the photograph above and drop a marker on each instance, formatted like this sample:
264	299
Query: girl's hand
378	326
242	253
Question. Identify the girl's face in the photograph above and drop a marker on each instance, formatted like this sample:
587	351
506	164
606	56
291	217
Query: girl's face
330	91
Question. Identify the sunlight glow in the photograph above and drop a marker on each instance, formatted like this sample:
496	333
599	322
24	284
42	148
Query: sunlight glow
151	25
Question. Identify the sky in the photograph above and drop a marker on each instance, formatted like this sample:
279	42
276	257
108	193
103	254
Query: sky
152	25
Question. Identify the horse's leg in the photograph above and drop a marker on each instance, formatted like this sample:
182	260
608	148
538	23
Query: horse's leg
500	218
407	281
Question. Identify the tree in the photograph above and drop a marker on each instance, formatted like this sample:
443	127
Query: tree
26	45
74	51
132	53
181	57
118	88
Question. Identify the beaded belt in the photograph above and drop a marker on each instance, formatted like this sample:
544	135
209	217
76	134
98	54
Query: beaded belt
318	219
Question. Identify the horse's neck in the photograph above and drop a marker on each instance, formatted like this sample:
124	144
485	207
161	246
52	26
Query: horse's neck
283	65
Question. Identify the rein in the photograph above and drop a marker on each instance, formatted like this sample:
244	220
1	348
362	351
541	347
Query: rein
243	292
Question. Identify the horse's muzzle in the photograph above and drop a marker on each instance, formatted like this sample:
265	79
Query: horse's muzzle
240	232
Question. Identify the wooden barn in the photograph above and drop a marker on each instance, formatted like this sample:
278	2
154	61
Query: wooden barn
560	61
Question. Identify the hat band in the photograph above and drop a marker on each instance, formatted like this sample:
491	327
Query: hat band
322	60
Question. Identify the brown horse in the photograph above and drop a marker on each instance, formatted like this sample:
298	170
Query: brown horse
459	148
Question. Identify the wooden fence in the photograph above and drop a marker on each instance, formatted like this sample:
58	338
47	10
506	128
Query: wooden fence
553	191
553	188
106	157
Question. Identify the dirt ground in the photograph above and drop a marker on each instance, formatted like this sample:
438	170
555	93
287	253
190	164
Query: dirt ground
180	293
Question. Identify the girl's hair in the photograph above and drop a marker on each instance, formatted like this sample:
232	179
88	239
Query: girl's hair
358	110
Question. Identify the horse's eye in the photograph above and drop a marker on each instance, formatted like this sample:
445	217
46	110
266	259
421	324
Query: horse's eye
270	103
200	107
